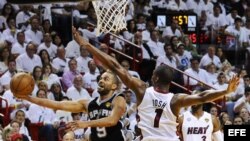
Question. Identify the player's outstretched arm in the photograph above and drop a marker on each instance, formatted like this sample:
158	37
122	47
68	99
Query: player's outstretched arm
71	106
109	62
118	110
184	100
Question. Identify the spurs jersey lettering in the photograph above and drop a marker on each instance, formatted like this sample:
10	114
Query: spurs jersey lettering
194	129
157	122
98	110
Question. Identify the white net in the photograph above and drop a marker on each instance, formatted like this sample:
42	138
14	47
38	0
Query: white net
110	15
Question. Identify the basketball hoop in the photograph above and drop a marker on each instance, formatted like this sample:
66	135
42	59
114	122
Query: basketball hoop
110	15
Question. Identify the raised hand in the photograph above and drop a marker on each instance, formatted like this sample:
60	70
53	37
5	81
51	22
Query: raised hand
233	84
77	37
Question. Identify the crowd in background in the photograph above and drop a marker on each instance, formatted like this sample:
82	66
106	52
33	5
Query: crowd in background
32	41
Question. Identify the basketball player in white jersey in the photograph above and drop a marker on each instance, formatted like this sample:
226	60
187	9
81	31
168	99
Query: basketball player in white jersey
198	125
157	107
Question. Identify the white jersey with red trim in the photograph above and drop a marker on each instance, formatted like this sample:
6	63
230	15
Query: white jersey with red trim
157	122
194	129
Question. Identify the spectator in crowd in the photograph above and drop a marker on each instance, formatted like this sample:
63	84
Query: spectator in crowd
69	136
7	11
10	33
214	111
173	30
183	56
142	6
34	35
69	75
23	17
27	61
90	78
150	26
73	49
246	15
238	120
45	58
6	77
48	45
232	16
126	65
197	73
16	103
218	22
131	109
141	22
80	134
177	5
37	74
104	48
224	120
56	39
7	133
221	82
210	57
227	68
16	129
196	6
48	76
220	53
131	30
4	58
20	117
174	41
39	114
40	85
244	113
212	73
246	80
47	27
208	6
155	45
237	31
63	116
169	58
148	59
60	62
244	101
19	47
128	15
56	93
82	60
189	46
76	91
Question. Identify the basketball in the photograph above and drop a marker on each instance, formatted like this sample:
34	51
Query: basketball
22	84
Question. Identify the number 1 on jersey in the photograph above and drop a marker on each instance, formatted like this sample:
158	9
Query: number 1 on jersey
157	117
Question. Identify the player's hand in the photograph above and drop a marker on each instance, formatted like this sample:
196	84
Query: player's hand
21	96
77	37
76	125
233	84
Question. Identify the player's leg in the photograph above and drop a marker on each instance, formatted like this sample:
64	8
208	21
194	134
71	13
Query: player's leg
41	1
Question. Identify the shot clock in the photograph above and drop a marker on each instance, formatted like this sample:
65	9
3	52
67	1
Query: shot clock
187	20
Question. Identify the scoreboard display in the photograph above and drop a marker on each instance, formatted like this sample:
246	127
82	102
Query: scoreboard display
188	21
